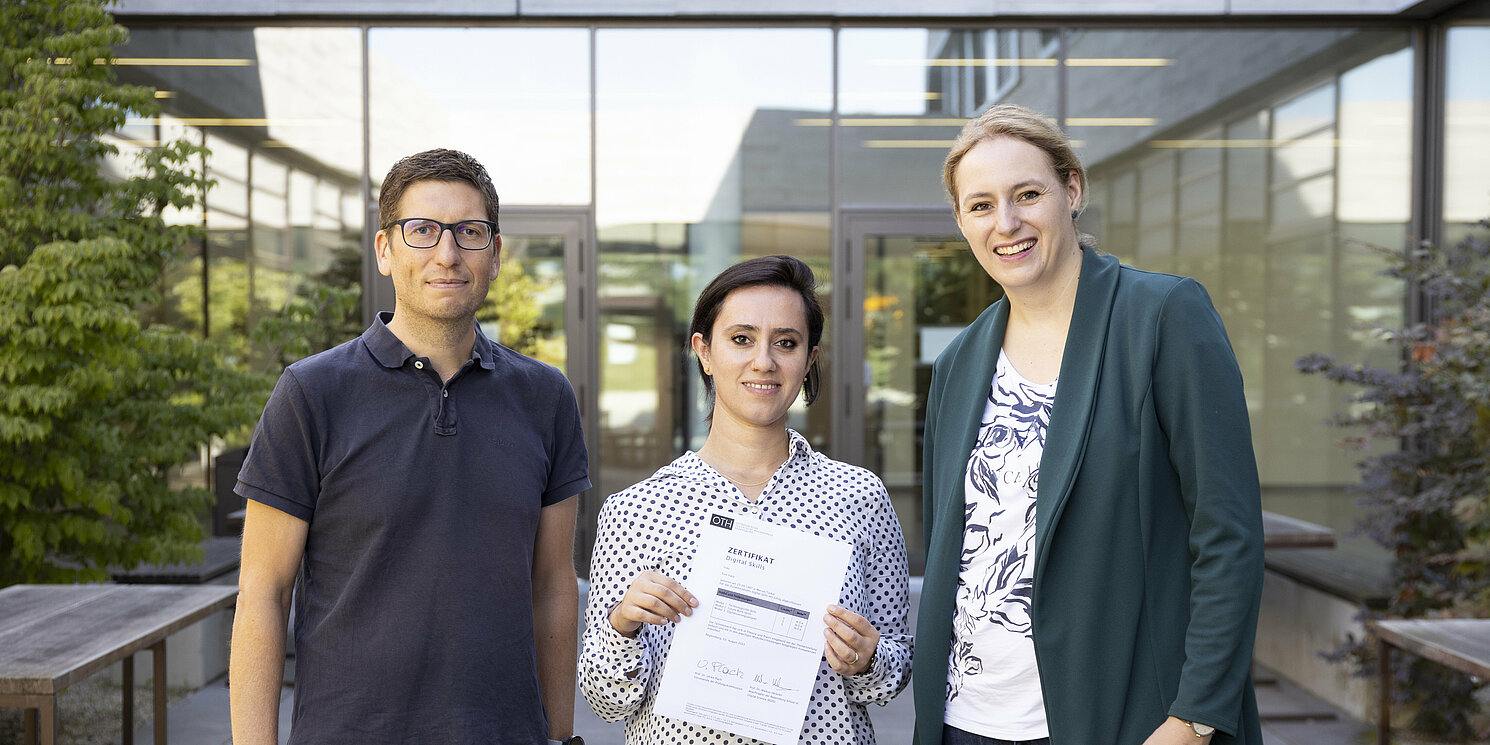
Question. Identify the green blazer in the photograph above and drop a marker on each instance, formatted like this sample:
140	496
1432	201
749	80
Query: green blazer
1148	535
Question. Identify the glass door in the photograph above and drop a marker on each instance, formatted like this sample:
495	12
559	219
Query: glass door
529	306
921	286
539	306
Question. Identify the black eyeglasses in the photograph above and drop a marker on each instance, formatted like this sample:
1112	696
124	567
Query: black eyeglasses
422	232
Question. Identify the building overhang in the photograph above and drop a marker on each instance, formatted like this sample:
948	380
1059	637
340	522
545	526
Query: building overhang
1065	11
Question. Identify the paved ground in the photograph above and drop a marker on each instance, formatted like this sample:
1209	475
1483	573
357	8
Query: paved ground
1290	717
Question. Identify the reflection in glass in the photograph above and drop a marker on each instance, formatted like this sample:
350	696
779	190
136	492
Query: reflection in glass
1240	294
1250	198
1466	172
1198	236
516	99
905	93
1257	160
524	309
283	143
920	291
698	166
1156	213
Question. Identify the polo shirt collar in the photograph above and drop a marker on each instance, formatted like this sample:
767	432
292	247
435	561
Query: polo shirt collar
484	351
391	353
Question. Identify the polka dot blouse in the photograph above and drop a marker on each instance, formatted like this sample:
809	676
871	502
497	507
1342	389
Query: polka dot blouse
655	525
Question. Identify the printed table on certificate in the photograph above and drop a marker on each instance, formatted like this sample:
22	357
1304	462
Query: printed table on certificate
747	659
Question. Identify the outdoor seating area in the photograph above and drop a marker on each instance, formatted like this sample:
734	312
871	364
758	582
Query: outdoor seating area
1462	644
52	636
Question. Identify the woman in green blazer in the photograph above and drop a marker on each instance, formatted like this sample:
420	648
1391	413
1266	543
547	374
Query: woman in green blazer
1092	510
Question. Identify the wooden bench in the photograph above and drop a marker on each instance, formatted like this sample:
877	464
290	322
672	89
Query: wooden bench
1292	551
1459	643
52	636
1362	579
1282	531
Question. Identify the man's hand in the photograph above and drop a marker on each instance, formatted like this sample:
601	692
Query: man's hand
1175	732
652	598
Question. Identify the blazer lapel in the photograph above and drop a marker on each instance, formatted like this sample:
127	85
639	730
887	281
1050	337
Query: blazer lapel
963	402
1075	397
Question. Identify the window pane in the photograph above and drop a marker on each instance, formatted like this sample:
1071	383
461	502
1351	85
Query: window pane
1279	164
1466	172
264	118
905	93
516	99
699	165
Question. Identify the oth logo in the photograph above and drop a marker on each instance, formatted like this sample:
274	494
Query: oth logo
720	521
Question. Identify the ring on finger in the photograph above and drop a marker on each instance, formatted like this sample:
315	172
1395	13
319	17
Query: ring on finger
855	660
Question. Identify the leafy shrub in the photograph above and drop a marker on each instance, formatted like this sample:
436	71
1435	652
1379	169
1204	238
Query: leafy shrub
1428	501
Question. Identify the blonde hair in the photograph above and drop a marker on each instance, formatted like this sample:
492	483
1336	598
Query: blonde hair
1009	120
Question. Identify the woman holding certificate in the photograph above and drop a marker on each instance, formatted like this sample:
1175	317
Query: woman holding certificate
755	332
1092	511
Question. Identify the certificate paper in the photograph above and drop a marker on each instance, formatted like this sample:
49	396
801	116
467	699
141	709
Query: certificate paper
746	661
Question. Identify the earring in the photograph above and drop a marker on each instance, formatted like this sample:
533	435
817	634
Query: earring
1074	213
706	370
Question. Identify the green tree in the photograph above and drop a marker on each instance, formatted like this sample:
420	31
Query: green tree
97	405
1428	501
325	311
512	304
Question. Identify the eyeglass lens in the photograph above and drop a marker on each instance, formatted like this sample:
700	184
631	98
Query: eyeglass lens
473	235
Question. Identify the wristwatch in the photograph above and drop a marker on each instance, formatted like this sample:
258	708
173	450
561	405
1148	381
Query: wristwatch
1201	730
570	740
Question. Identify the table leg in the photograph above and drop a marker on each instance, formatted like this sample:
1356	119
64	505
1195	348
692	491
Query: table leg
1384	692
129	700
28	717
160	691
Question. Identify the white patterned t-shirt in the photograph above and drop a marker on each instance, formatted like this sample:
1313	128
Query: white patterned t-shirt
993	687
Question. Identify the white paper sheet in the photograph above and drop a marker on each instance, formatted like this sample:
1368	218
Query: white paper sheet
746	660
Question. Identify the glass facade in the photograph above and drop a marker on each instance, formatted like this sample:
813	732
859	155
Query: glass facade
1466	163
636	162
1273	201
700	162
286	207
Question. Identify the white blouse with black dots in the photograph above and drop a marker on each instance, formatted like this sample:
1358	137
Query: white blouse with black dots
655	525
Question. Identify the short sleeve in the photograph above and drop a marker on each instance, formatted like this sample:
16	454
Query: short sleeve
282	467
570	473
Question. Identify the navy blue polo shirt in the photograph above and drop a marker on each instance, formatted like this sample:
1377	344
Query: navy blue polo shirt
413	617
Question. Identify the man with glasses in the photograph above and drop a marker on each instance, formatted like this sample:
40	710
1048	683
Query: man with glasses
413	486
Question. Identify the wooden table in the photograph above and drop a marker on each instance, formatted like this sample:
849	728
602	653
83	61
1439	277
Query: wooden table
52	636
1281	531
1459	643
